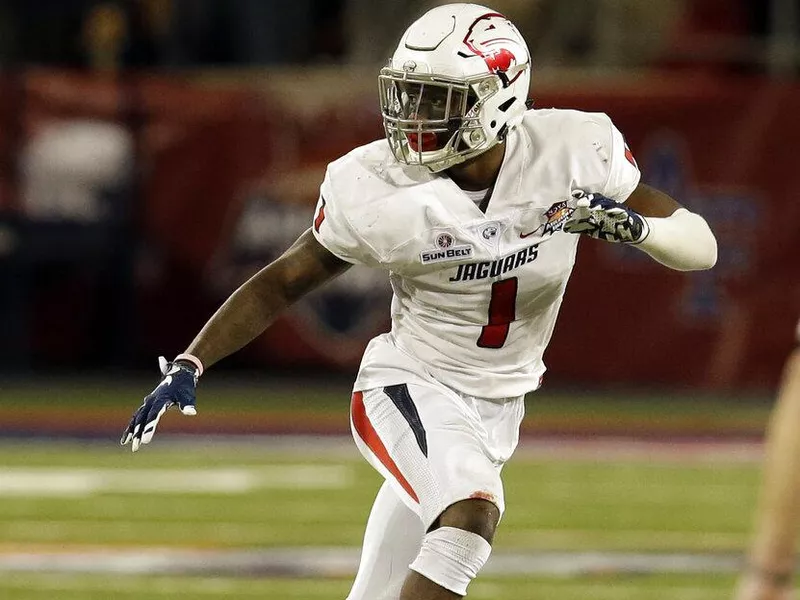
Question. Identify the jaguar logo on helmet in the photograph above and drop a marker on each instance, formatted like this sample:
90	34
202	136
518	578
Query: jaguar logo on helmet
503	55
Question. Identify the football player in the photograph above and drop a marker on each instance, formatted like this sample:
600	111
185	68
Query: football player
773	550
474	204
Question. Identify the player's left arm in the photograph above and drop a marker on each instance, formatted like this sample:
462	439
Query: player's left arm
621	208
672	234
650	220
651	202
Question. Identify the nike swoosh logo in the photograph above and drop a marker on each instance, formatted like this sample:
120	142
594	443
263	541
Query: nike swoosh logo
524	235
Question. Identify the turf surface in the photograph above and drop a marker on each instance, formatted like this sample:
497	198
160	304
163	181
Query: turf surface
84	497
95	499
71	587
100	408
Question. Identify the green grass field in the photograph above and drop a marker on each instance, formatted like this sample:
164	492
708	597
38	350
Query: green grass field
39	587
99	406
90	521
97	499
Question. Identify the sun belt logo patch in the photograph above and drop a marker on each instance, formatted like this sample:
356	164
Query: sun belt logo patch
445	250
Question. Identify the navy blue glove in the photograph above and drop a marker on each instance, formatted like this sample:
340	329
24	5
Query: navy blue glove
177	387
602	218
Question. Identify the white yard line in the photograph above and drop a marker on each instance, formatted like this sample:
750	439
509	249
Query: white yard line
172	588
55	481
343	561
342	447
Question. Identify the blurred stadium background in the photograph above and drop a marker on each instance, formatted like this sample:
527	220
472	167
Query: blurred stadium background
154	153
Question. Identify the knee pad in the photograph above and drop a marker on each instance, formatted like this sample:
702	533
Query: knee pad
451	558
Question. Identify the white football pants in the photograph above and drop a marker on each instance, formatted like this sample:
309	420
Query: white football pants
391	542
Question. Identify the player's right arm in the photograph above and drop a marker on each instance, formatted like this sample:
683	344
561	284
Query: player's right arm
305	266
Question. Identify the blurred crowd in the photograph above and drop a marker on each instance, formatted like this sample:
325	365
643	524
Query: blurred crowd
80	151
105	34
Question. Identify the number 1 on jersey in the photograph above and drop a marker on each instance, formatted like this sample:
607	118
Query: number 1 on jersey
502	311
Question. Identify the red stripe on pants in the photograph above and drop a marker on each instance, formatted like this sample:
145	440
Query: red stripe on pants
370	437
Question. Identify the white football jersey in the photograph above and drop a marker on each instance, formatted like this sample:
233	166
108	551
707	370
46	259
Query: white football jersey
475	294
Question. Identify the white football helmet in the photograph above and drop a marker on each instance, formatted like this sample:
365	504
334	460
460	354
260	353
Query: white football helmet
456	84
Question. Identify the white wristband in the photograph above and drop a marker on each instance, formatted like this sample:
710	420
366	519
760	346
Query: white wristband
682	241
191	358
